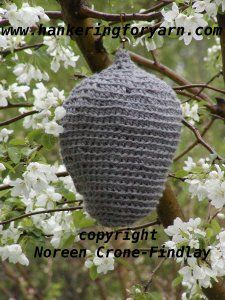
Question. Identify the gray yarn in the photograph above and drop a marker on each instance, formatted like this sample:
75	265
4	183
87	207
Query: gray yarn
121	130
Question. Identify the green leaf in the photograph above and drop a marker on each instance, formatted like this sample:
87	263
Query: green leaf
26	151
181	173
202	243
153	296
87	222
17	142
48	141
3	193
184	234
93	272
209	233
35	135
68	195
9	167
68	242
14	154
77	218
215	226
14	203
177	281
81	221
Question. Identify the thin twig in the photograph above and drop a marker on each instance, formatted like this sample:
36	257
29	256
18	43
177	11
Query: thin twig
175	177
40	212
204	85
195	143
153	273
200	139
90	13
167	72
158	6
17	118
156	222
15	105
189	95
69	202
5	53
210	218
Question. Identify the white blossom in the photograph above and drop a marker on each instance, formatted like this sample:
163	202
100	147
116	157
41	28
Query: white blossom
206	5
104	263
14	254
60	112
4	95
190	164
189	22
2	167
171	15
27	72
48	198
19	90
48	103
58	47
4	135
190	112
208	183
53	128
3	41
24	17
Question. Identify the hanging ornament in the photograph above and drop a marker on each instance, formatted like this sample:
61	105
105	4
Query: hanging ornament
120	134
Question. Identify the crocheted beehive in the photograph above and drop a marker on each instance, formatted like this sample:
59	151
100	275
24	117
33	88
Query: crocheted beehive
120	133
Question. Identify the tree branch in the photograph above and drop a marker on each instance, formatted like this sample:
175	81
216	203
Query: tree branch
15	105
17	118
149	224
91	47
87	12
40	212
200	139
5	53
190	147
158	6
204	85
153	273
167	72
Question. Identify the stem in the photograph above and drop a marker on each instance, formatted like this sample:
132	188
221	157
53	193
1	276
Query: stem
15	105
153	273
190	147
5	53
40	212
200	139
156	222
90	13
199	85
17	118
166	71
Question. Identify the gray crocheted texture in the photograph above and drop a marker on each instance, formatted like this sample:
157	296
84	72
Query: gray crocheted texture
121	130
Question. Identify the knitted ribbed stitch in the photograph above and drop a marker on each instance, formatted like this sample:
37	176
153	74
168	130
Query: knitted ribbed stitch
120	133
